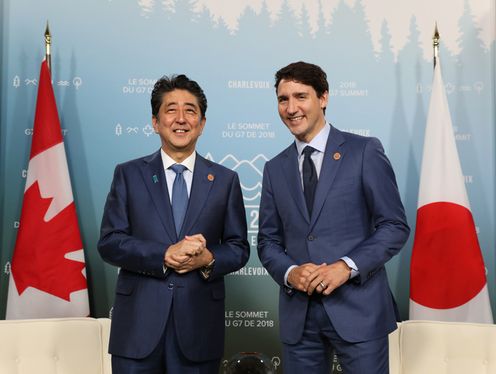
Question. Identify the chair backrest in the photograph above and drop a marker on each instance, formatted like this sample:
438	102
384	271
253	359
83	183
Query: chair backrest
394	351
47	346
107	365
429	347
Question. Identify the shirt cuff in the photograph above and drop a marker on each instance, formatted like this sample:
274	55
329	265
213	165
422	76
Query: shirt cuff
352	265
287	274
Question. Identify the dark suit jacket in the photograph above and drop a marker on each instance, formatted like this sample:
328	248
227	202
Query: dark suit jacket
138	227
357	213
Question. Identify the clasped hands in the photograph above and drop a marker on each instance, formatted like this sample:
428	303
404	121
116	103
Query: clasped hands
322	279
189	254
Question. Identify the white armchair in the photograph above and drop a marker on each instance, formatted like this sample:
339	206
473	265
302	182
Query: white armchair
48	346
428	347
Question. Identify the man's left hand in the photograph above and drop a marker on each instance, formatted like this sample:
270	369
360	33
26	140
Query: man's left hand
326	279
195	262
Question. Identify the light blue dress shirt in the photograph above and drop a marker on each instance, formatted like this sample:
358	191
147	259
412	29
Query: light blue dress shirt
319	143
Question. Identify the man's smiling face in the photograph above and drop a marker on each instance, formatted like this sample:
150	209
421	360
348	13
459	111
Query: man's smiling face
300	109
179	122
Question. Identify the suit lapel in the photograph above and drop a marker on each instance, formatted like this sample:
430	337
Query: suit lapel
333	156
154	177
293	178
203	180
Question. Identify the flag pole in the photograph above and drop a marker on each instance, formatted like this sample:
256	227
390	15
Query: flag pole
48	42
435	44
53	270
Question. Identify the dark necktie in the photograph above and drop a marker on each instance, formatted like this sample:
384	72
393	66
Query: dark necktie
309	177
179	196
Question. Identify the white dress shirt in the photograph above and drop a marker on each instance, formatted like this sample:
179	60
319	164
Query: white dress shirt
170	175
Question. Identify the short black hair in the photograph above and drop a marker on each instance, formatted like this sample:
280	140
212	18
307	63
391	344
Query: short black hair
306	73
168	84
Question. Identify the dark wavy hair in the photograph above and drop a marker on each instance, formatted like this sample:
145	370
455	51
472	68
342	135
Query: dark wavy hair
176	82
306	73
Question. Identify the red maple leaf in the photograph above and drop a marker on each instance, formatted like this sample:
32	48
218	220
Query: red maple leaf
41	246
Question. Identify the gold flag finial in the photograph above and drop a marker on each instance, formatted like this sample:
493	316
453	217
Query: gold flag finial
48	43
435	44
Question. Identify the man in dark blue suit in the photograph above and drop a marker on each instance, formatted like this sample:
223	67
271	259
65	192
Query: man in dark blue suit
330	218
175	224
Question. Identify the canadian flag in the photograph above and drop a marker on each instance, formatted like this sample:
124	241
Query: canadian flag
447	273
48	276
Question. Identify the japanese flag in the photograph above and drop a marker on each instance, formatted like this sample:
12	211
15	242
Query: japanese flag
447	273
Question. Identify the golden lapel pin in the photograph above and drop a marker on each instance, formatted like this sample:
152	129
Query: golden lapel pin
210	177
336	156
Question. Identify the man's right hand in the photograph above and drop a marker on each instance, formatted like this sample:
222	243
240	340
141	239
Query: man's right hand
179	254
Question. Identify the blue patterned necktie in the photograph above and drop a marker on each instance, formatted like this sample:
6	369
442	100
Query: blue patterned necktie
179	196
309	178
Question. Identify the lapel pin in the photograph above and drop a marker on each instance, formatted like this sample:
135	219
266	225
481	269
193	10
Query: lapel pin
155	178
210	177
336	156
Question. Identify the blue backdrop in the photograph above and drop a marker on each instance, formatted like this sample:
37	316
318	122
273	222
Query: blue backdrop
378	56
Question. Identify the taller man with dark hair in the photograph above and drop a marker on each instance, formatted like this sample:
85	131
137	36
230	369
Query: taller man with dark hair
174	223
330	218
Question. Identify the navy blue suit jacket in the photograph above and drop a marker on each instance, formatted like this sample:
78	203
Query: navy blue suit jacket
138	227
357	213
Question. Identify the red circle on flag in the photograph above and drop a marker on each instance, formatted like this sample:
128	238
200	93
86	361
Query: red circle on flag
447	269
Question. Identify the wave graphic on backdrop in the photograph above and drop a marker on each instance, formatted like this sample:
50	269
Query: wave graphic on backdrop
250	173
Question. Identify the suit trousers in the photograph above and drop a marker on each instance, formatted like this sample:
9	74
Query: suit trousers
166	358
312	354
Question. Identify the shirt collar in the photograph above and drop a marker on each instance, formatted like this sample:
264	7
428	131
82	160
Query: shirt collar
168	161
319	142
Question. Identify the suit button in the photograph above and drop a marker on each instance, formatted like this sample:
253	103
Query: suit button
171	286
311	237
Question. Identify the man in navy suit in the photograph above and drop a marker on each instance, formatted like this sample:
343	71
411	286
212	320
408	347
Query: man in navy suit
175	224
330	218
